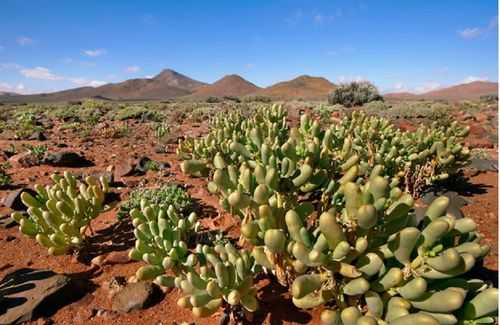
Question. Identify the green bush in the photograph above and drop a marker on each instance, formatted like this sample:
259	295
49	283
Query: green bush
164	196
354	94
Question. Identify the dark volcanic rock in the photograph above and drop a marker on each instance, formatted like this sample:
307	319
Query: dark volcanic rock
66	159
26	292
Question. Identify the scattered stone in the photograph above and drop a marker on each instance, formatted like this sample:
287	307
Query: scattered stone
6	221
159	148
66	159
13	200
124	168
10	238
26	289
116	284
134	296
484	165
38	135
23	160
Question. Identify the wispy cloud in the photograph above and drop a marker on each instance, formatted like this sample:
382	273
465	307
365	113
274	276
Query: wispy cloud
149	76
24	41
2	48
250	66
470	33
133	69
427	86
94	53
43	73
6	87
40	73
318	18
470	79
344	79
475	32
82	82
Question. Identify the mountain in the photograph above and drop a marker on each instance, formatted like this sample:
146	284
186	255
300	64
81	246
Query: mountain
230	85
305	87
8	93
166	84
175	79
468	91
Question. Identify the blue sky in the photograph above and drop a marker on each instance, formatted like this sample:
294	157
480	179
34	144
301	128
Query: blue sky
48	45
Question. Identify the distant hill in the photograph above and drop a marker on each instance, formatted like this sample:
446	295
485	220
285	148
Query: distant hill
8	93
468	91
166	84
304	86
230	85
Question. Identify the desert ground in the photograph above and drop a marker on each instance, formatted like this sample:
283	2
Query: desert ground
113	137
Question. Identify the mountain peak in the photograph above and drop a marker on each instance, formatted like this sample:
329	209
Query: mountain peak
175	79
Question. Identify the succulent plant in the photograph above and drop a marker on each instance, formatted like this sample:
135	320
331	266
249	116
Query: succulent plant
331	214
208	276
59	215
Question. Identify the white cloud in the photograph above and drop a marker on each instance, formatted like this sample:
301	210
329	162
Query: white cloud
250	65
470	33
133	69
40	73
427	86
470	79
23	40
94	53
6	87
82	82
149	76
475	32
344	79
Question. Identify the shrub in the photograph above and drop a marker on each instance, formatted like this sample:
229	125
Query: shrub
164	196
354	94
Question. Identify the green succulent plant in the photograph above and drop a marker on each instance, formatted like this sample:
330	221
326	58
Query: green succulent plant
59	215
331	214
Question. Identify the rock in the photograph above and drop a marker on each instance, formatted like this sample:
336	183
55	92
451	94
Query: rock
38	135
66	159
115	285
144	164
159	148
13	200
483	165
6	221
23	160
134	296
124	168
27	291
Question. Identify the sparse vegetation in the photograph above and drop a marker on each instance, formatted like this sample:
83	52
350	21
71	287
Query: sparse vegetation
164	196
354	94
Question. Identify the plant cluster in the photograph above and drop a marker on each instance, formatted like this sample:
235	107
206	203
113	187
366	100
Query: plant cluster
164	196
354	94
59	215
324	212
